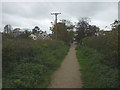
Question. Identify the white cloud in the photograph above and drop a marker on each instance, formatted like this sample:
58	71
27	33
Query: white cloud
28	15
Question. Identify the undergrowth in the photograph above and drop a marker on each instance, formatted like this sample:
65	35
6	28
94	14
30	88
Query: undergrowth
96	74
29	63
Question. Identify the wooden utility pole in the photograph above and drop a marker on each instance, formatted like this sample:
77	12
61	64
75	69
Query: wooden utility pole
56	14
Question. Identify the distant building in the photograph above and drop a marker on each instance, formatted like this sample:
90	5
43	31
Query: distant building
34	37
102	32
42	35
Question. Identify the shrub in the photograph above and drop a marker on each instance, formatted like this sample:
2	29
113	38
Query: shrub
94	73
107	45
28	63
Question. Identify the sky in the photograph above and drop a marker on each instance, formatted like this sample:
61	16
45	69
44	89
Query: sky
30	14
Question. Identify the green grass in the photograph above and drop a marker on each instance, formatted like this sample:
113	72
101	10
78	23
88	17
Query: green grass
29	64
96	74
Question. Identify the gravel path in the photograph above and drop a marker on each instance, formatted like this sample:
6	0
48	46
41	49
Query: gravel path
68	75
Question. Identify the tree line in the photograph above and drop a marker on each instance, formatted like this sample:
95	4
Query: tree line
65	30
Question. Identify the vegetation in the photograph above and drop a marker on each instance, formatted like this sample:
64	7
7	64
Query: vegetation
98	57
63	31
7	28
28	63
94	73
84	29
36	30
107	45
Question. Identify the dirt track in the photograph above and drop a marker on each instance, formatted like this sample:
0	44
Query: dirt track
68	75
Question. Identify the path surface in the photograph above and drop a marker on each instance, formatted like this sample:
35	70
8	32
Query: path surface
68	75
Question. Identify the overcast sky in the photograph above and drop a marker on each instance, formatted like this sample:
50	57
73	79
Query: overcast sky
31	14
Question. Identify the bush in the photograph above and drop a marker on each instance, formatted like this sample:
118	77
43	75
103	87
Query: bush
107	45
94	73
28	63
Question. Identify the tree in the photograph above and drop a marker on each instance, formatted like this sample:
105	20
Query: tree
7	29
115	25
84	29
63	31
24	35
36	30
27	32
92	30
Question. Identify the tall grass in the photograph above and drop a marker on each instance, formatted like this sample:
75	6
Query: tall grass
28	63
96	74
